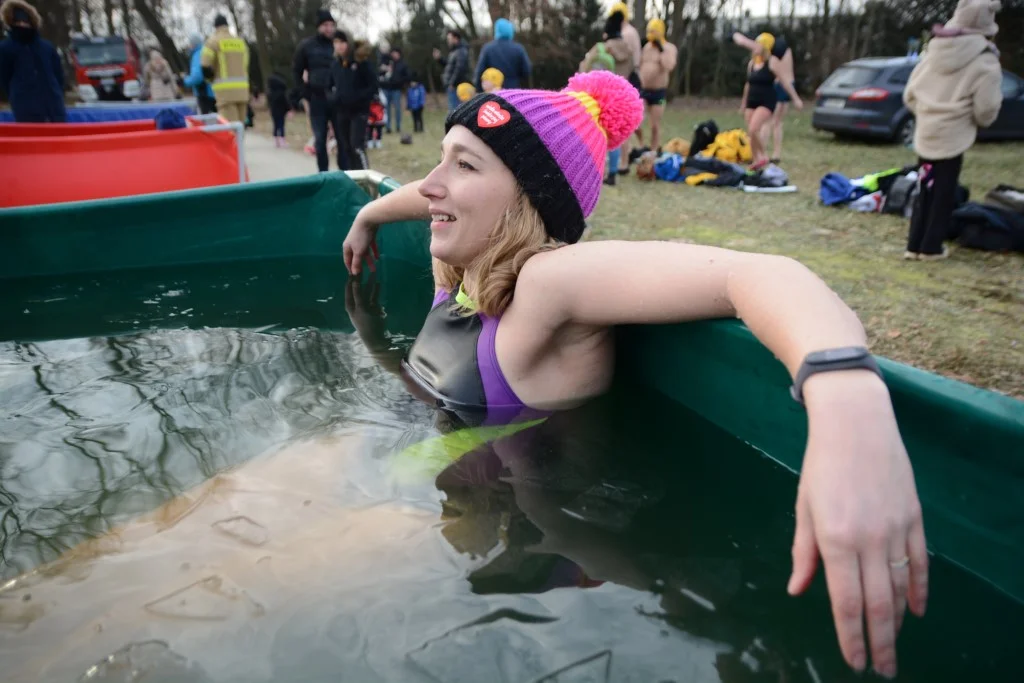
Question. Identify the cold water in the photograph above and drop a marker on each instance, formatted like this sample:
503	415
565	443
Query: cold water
205	475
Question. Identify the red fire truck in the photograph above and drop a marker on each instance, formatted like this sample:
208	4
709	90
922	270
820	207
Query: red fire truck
106	68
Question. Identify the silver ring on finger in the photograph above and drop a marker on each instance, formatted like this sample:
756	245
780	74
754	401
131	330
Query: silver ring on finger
900	563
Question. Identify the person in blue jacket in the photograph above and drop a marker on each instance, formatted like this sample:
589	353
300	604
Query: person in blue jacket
31	73
415	100
505	55
201	88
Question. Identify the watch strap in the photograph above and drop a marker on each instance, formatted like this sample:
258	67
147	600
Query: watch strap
854	357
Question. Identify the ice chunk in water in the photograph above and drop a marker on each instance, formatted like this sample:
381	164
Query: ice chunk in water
210	599
243	529
596	668
151	661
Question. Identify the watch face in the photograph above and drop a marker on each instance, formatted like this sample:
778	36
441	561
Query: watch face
836	355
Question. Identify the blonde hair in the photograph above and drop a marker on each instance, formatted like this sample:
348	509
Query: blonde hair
518	235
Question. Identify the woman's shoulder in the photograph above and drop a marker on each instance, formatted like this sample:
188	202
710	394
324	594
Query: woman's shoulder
542	271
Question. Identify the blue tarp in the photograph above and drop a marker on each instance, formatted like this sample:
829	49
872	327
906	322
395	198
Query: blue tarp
128	112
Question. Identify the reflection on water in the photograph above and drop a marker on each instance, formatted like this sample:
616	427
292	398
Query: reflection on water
223	504
95	431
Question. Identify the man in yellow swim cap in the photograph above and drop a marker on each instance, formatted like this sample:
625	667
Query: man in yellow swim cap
492	80
465	91
658	59
632	39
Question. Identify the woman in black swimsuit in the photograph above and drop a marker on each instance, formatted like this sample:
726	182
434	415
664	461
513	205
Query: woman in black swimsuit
759	97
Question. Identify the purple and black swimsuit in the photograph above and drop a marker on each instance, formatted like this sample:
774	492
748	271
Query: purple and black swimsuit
454	360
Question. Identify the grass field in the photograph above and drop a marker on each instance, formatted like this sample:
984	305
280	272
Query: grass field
963	318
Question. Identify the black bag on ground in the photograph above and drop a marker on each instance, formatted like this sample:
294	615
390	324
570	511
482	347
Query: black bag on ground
978	226
704	134
899	195
1006	197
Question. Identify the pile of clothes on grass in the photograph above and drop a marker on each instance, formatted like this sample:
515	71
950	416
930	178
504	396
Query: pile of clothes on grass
891	191
718	163
997	224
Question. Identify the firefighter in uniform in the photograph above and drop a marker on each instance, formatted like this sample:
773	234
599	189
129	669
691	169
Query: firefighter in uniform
225	61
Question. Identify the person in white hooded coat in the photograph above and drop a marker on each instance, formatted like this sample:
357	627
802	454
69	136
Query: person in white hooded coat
953	91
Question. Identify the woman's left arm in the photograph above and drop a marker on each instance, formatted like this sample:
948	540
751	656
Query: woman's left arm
784	74
788	308
857	506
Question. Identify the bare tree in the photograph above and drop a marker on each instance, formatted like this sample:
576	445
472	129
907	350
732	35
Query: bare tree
108	13
464	8
640	16
153	22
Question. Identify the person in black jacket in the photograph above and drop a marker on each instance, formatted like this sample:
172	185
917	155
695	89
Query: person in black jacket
352	87
394	84
456	66
277	100
312	69
31	73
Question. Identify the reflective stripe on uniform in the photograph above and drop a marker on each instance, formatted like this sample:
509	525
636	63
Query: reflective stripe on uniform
232	46
230	83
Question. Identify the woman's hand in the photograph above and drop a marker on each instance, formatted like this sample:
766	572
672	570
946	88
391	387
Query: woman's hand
361	245
799	104
857	508
362	303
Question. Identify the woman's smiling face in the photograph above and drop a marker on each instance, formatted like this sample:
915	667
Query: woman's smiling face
469	192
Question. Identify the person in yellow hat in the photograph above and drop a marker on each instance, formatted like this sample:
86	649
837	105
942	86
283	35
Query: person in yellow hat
492	80
632	39
465	91
657	61
774	54
759	97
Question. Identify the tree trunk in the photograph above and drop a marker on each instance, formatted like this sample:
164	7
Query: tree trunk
865	47
153	23
677	35
466	7
720	52
126	18
640	17
76	16
259	21
234	16
108	13
688	67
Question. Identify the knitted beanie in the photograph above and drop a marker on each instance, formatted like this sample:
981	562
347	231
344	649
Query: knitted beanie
619	7
323	16
555	142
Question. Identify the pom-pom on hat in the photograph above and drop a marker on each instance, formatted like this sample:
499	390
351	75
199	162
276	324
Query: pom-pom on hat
555	142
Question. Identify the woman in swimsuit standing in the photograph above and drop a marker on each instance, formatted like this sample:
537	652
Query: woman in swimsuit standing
520	171
784	53
759	95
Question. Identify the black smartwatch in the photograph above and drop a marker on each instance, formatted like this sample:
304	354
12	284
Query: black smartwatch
846	358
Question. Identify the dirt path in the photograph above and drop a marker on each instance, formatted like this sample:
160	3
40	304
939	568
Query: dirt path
267	162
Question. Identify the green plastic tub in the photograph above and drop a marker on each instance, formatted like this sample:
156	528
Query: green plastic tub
967	444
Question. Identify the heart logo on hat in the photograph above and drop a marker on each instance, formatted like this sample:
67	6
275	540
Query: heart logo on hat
491	115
